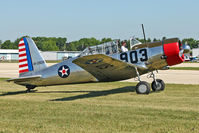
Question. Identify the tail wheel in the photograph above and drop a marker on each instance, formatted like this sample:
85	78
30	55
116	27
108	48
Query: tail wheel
143	87
159	85
30	87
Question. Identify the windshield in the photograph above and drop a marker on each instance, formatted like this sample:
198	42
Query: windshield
134	42
105	48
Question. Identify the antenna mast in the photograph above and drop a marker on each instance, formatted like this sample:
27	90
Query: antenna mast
143	33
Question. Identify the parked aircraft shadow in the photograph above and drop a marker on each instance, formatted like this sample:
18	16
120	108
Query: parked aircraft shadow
82	96
35	91
15	93
98	93
63	91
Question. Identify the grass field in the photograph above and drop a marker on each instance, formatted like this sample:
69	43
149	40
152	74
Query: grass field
184	68
99	107
191	62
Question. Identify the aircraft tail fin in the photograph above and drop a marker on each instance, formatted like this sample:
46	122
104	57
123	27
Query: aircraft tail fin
30	59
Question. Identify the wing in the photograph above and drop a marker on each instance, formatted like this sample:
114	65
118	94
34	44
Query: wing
24	79
106	68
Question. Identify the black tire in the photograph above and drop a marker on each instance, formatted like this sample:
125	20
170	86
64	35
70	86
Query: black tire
160	87
143	87
30	87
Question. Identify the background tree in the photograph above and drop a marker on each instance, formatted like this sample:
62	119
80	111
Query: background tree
72	46
82	44
148	40
156	40
104	40
0	43
191	42
142	40
8	45
59	44
50	45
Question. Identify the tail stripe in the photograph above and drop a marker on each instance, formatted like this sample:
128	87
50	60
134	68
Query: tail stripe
22	63
21	42
22	52
22	71
30	67
21	47
23	68
22	60
22	57
25	63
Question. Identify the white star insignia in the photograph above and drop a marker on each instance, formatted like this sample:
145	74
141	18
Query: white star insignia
63	71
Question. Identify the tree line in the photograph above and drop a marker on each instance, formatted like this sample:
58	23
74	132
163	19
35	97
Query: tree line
60	43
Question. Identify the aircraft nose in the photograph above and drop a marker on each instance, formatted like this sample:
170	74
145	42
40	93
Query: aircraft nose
172	52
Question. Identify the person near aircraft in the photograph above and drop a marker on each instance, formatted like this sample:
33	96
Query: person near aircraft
123	48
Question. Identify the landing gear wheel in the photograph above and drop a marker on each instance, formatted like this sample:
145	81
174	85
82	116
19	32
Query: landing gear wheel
160	85
143	87
29	88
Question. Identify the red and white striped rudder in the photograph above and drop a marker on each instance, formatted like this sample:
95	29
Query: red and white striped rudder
23	60
30	59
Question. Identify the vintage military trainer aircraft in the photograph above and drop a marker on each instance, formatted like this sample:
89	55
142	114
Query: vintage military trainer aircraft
100	63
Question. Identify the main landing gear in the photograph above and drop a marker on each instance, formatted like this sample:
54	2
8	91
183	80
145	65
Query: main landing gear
143	87
29	88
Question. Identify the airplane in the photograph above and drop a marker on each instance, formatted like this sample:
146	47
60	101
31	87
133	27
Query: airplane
102	63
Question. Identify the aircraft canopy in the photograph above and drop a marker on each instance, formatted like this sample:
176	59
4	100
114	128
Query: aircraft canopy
108	48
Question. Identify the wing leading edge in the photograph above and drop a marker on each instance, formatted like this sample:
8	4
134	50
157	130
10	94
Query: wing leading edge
106	68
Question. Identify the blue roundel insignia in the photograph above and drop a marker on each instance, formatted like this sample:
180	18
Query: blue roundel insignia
64	71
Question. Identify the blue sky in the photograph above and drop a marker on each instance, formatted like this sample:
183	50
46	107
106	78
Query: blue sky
121	19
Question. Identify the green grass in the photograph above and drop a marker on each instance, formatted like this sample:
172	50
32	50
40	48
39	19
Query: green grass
9	61
3	79
184	68
99	107
190	62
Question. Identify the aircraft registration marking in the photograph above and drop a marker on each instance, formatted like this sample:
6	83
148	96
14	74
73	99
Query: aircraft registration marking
134	56
38	63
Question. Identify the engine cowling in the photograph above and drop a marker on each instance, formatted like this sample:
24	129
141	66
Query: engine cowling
172	48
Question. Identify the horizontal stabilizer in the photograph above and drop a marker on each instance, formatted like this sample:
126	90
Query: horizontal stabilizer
23	79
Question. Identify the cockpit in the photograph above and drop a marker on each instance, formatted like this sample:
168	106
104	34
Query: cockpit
108	48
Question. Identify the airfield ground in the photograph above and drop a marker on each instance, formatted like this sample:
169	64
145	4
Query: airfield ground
10	70
101	107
